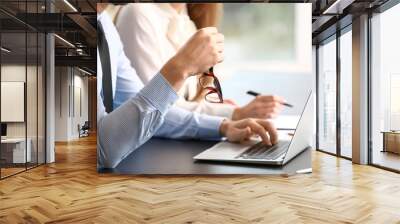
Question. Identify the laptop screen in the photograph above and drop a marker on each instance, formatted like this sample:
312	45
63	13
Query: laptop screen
3	129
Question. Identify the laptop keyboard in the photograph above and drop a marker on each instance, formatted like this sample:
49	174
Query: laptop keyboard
261	151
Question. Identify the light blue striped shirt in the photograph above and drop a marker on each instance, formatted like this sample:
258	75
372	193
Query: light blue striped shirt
140	112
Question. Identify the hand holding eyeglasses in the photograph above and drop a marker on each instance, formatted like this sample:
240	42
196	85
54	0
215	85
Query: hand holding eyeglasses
202	51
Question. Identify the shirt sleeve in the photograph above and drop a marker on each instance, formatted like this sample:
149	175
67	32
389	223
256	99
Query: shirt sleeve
183	124
138	110
148	114
203	107
134	122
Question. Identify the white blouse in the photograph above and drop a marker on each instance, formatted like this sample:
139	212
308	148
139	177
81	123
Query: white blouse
151	34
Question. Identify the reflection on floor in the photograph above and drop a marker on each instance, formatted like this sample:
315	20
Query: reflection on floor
10	169
386	159
346	152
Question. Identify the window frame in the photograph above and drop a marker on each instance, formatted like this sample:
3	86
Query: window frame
334	37
380	9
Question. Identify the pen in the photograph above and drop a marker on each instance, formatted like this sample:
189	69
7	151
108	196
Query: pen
250	92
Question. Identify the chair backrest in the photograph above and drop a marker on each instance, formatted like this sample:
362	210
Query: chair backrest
86	125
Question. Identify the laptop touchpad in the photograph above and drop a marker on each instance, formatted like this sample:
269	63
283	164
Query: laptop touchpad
225	150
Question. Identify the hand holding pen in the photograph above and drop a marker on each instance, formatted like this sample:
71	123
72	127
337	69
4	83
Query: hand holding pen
262	106
250	92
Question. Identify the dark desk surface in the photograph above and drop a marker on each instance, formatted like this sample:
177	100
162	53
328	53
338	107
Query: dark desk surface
161	156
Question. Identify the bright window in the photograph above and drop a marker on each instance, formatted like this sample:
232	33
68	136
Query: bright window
385	83
346	94
327	97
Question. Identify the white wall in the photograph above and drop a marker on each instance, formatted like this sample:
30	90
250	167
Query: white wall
61	103
79	117
13	100
34	126
12	73
71	93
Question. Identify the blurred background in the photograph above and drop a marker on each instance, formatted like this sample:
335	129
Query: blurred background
268	50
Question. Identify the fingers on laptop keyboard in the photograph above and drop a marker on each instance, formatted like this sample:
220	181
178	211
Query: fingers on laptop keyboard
270	129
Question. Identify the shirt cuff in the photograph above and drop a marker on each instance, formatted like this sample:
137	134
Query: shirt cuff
159	93
225	110
209	126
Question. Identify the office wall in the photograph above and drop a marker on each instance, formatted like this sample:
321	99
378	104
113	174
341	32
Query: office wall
17	73
71	102
13	98
61	103
33	126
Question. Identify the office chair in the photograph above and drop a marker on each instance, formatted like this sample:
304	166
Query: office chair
84	130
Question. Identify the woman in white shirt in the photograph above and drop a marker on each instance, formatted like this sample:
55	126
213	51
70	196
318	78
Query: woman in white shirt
153	32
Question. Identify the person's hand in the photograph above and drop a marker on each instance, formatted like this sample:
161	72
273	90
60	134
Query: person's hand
242	130
201	52
261	107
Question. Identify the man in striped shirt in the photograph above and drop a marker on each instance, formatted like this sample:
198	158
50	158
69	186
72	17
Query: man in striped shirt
129	113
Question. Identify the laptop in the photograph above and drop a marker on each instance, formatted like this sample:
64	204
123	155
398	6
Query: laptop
253	151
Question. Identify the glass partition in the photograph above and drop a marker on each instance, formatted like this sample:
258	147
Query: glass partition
15	150
22	90
41	96
32	98
35	89
327	97
346	94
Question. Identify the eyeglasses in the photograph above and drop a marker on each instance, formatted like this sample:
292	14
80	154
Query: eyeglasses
214	94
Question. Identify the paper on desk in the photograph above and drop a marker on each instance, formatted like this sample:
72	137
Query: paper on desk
286	121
